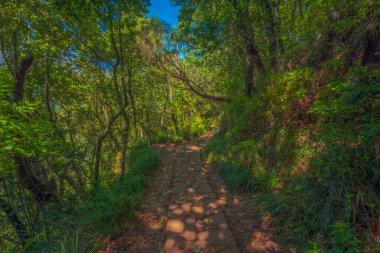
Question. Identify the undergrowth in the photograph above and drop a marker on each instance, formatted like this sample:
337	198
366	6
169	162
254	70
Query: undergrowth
311	153
103	212
196	127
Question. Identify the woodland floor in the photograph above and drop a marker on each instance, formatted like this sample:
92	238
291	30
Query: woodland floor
187	209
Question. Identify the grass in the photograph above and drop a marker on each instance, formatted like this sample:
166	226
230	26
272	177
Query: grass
102	213
313	169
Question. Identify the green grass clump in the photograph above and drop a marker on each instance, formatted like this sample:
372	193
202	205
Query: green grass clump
237	176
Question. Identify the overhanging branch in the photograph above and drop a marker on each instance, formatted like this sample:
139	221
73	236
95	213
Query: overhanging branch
178	73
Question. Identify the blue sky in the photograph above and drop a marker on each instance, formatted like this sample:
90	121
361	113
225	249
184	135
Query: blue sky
163	10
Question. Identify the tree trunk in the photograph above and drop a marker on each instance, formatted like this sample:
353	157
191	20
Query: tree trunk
28	167
249	74
18	89
124	146
99	143
253	59
277	25
270	30
188	119
43	190
252	55
47	90
133	103
175	122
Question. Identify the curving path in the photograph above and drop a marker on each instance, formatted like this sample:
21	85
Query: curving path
184	211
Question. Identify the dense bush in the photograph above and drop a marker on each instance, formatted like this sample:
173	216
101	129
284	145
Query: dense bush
103	212
316	163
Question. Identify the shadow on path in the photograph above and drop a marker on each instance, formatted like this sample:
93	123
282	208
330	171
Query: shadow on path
196	223
183	213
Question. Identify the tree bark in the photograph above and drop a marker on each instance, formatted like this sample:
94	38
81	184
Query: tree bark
18	89
277	25
44	191
132	97
253	57
270	30
102	137
28	167
124	146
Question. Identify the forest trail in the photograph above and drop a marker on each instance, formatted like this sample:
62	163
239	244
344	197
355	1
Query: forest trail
187	209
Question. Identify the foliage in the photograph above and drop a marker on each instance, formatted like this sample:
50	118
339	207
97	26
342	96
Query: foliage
83	83
308	139
101	213
328	176
90	94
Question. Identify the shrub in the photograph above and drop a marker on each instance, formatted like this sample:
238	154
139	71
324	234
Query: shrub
313	158
103	212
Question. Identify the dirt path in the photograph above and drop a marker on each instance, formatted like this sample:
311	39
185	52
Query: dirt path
186	209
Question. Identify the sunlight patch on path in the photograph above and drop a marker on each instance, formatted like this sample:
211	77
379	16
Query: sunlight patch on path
195	221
